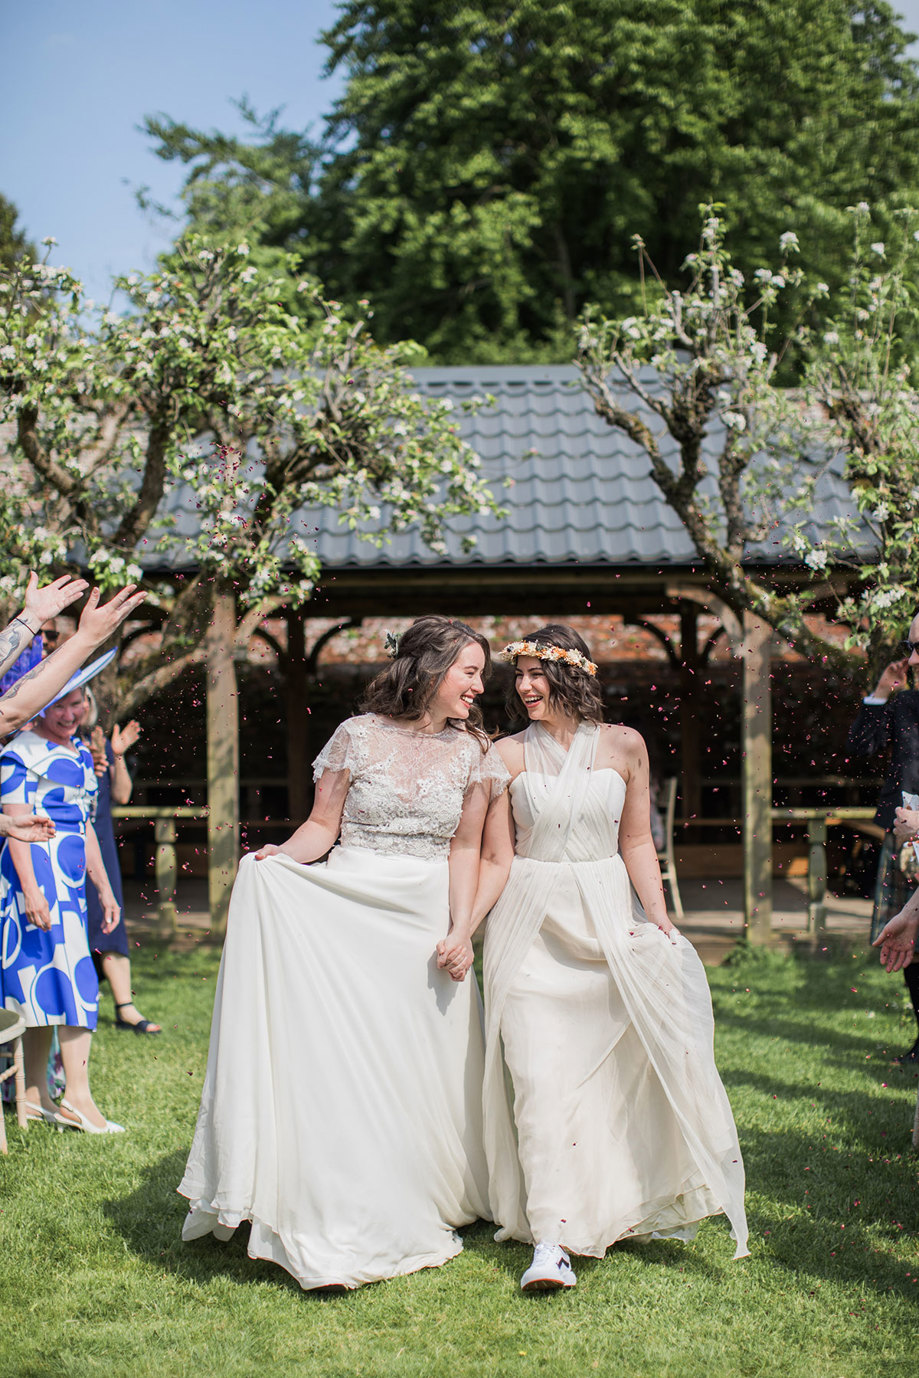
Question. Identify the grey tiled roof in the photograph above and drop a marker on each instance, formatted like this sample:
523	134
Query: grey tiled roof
580	491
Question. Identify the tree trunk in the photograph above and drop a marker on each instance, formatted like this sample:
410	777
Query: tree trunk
222	758
756	753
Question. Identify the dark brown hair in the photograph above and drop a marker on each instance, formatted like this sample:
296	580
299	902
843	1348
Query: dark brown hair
572	690
424	655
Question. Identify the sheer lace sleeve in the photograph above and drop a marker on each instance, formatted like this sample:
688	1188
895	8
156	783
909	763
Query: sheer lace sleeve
340	751
490	770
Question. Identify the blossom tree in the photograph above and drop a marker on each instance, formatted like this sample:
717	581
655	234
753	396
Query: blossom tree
699	380
190	429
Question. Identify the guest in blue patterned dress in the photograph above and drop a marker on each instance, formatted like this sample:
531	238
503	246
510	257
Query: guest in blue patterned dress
109	947
46	969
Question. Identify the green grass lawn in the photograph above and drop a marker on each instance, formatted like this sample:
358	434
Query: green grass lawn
95	1280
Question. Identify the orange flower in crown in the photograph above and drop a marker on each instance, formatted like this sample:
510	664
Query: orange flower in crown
575	659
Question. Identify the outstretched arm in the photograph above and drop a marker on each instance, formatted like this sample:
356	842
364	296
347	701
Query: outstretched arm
35	690
320	831
40	606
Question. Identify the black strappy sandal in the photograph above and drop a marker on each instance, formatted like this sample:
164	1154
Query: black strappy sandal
143	1026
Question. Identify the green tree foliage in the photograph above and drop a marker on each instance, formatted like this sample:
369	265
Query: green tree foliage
186	433
487	164
14	242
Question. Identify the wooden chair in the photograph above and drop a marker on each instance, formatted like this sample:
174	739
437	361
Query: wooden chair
665	856
12	1027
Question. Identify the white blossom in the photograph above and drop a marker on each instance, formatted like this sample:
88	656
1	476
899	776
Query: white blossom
816	559
878	248
788	242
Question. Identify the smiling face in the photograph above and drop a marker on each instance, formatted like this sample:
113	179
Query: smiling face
460	686
62	720
532	686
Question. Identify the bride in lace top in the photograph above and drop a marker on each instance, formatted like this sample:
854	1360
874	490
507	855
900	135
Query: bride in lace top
341	1110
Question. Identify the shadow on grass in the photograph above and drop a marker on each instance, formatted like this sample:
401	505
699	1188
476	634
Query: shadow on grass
150	1222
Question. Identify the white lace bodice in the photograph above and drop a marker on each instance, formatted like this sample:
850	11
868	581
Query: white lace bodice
407	788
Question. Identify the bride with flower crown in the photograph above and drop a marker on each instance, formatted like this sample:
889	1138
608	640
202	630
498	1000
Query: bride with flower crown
341	1112
605	1117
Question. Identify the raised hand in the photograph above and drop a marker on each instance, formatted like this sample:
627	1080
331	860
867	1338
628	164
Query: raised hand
892	679
97	623
123	738
41	605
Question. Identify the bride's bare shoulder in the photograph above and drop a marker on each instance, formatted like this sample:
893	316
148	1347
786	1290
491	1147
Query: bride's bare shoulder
621	743
510	749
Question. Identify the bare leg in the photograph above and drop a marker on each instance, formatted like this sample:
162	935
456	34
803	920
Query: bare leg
75	1046
117	970
36	1045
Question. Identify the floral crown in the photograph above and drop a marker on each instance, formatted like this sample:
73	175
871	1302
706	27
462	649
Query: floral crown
558	654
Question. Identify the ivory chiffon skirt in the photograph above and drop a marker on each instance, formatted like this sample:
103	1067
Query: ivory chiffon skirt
341	1110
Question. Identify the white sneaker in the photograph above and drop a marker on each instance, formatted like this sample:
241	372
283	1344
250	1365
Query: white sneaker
550	1269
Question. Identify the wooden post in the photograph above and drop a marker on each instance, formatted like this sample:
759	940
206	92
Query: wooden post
164	830
222	759
816	878
690	736
756	753
298	730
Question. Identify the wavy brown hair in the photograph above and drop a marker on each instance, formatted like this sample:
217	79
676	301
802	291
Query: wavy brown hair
571	690
424	655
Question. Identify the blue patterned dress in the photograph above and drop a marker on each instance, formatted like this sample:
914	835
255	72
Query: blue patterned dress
48	975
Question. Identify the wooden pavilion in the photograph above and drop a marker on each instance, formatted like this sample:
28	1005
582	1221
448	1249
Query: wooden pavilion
585	528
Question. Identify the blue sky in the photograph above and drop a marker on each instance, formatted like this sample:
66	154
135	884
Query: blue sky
79	76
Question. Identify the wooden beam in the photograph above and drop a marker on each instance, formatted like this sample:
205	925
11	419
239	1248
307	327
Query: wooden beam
222	759
756	792
298	722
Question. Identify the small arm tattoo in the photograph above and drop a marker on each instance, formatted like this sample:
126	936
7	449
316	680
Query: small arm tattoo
10	647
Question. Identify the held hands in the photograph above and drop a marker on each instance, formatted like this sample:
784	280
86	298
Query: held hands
906	825
897	941
41	605
893	678
454	955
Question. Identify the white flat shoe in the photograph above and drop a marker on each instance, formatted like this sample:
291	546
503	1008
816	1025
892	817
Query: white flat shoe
86	1125
550	1270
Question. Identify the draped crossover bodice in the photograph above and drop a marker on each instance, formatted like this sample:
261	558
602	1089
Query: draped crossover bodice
557	787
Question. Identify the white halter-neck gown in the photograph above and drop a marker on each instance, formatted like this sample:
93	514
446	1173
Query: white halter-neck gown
598	1033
